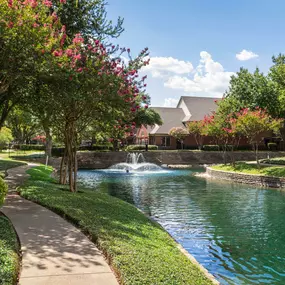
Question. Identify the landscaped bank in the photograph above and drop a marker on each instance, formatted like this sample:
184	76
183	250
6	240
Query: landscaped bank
9	248
266	176
140	251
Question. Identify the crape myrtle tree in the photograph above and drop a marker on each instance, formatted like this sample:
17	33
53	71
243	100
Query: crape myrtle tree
220	127
179	134
88	82
25	27
253	125
197	129
89	19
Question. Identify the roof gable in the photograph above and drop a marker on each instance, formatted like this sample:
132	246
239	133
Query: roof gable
171	117
198	107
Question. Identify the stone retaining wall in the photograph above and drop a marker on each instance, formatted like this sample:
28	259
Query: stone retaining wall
264	181
97	160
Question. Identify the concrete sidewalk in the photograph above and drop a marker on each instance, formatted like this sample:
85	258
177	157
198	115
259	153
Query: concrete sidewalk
54	251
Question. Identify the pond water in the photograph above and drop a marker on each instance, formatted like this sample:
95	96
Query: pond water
235	231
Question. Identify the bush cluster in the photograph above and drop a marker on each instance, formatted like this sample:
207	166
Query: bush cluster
272	146
59	151
211	147
29	146
140	147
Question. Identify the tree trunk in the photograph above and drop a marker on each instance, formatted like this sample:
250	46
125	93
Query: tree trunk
70	147
48	144
63	169
46	128
256	156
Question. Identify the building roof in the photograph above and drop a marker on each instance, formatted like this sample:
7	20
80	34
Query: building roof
198	107
171	117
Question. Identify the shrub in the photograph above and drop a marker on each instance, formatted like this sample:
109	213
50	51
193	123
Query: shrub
140	147
272	146
3	191
211	148
97	147
29	146
276	160
59	151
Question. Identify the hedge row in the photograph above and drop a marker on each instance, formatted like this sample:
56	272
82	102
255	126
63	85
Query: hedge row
59	151
29	147
140	147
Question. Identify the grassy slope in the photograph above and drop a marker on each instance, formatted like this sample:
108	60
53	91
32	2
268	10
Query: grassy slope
141	252
9	247
242	167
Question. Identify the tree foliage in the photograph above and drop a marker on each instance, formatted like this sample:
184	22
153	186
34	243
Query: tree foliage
197	129
252	90
253	125
178	133
5	136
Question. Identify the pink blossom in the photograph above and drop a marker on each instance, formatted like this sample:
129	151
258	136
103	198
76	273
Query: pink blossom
35	25
10	3
63	1
62	40
80	69
57	53
69	52
10	24
34	3
77	56
54	16
47	3
78	39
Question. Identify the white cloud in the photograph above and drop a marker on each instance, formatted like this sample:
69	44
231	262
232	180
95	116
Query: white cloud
209	78
246	55
170	102
160	67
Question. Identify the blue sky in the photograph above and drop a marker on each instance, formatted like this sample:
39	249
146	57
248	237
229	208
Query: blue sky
197	45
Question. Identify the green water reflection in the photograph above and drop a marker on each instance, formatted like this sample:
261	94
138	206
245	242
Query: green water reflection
236	231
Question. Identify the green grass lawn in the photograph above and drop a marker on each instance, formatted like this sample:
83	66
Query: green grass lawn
140	251
9	248
18	154
243	167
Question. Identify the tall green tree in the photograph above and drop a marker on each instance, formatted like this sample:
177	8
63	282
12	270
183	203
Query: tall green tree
252	90
24	125
87	17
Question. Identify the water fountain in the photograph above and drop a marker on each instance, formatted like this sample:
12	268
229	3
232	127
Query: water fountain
135	162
